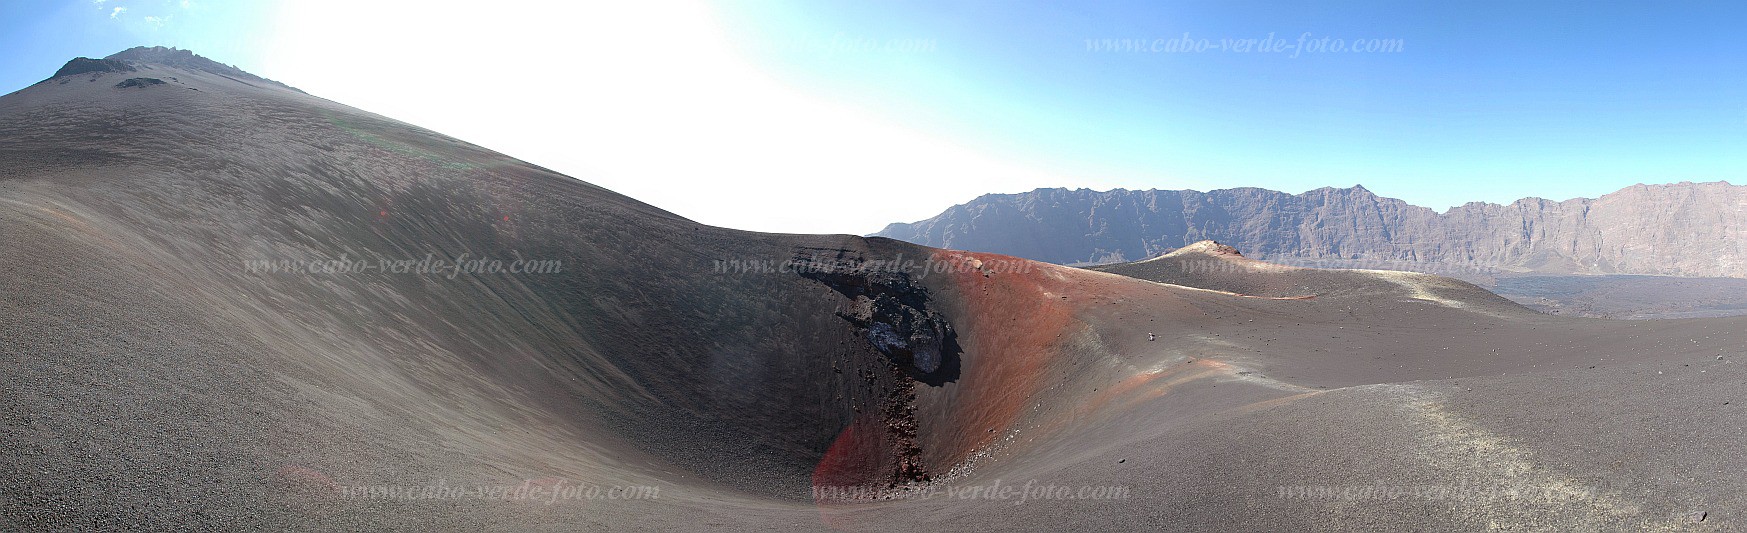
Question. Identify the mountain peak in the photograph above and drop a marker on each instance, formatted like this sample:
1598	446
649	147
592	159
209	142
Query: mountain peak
132	59
1208	247
170	56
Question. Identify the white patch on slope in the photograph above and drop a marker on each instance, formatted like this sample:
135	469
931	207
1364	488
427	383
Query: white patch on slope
1501	483
1419	286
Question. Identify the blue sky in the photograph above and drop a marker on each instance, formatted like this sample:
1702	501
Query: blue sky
1484	100
849	115
41	35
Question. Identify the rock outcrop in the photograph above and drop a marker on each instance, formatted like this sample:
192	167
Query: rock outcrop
138	82
85	65
893	312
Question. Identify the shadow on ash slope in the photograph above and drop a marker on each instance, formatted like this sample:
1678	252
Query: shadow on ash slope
203	325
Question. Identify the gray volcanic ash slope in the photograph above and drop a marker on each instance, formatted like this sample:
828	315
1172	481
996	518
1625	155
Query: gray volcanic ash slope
190	339
1685	229
136	310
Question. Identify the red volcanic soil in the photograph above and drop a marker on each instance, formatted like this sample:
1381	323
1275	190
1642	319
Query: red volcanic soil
1011	327
1025	327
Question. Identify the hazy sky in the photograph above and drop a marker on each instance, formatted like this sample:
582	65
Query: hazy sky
839	117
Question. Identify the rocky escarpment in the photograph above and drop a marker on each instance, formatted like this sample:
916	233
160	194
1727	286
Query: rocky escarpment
1684	229
891	311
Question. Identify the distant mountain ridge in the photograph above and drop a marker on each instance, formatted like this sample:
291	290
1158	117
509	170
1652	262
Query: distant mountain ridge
1682	229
